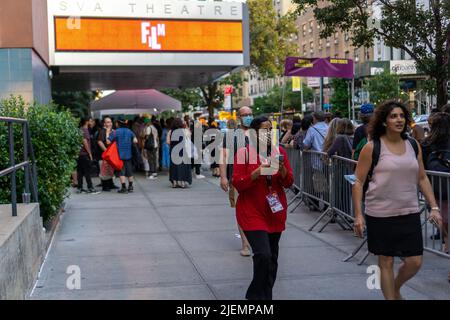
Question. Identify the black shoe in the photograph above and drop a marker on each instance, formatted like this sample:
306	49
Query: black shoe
130	189
82	191
123	190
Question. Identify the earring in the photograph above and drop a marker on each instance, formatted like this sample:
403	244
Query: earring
384	125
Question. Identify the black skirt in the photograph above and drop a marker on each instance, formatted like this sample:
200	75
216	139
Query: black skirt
399	236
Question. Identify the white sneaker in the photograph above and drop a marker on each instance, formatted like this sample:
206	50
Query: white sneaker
200	176
152	178
155	174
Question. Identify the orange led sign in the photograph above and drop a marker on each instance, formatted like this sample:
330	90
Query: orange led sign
142	35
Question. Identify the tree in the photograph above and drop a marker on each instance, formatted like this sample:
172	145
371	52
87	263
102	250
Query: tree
421	31
274	99
383	86
339	100
188	97
78	102
271	41
270	37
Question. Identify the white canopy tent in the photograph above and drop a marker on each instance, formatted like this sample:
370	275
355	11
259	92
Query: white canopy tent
134	102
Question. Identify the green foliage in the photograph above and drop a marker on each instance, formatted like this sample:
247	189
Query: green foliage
77	102
188	97
56	142
270	37
339	99
422	32
384	86
273	100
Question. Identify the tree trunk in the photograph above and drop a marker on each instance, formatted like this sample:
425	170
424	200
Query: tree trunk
441	91
211	110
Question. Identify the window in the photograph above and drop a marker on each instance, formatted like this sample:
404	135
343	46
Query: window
304	30
336	35
347	54
311	44
346	37
304	49
311	25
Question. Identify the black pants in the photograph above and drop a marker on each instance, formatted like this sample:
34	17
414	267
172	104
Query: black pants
84	170
265	263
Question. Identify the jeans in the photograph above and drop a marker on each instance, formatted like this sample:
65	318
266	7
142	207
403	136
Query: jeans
84	170
265	263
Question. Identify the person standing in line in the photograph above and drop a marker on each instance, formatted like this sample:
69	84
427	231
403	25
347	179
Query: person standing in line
151	148
106	170
436	157
315	136
165	146
331	135
245	115
84	163
197	128
360	137
391	202
180	175
342	145
261	208
124	138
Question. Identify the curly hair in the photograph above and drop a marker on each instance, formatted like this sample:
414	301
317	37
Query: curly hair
376	127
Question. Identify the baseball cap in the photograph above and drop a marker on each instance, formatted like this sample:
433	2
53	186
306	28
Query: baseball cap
367	108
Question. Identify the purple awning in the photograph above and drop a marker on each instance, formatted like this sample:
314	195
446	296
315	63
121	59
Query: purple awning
319	67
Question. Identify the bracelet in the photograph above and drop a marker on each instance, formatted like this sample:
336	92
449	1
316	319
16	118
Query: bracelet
436	208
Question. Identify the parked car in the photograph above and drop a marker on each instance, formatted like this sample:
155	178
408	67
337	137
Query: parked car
422	121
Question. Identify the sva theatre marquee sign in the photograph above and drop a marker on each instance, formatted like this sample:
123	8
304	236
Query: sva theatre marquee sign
148	8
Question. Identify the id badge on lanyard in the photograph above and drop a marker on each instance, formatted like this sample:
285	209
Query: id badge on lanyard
273	199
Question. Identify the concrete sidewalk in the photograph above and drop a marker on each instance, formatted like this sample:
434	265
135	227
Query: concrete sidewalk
164	243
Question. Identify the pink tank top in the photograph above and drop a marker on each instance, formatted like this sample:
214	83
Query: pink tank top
394	185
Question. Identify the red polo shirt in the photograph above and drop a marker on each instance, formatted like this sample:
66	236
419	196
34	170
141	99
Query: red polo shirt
252	209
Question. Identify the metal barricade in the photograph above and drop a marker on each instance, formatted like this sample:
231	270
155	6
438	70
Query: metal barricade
340	190
28	164
440	182
295	160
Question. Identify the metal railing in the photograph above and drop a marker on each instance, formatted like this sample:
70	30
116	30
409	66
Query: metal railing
324	184
30	191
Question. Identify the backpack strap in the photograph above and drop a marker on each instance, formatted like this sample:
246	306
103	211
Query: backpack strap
375	157
413	143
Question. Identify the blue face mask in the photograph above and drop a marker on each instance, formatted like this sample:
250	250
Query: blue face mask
246	121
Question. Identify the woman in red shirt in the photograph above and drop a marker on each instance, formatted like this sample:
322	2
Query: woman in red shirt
261	206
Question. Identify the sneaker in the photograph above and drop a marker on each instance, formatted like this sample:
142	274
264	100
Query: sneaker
152	178
82	191
122	190
199	176
130	189
93	191
155	174
114	187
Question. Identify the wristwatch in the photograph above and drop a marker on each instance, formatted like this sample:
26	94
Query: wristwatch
436	208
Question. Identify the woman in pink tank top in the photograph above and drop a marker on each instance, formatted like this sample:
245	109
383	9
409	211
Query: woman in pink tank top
391	201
